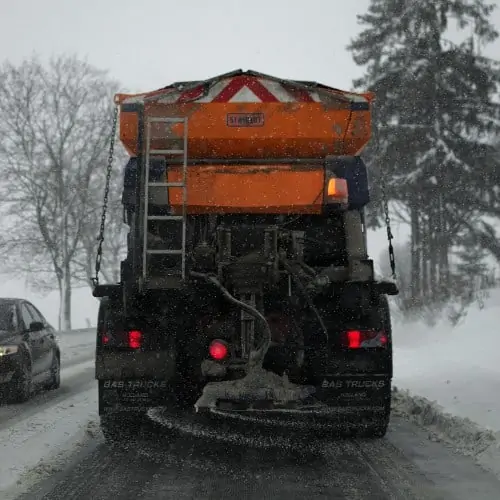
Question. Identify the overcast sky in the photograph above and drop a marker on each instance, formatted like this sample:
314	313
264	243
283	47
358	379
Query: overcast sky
147	44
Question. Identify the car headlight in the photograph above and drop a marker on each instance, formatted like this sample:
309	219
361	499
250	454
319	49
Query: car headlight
8	349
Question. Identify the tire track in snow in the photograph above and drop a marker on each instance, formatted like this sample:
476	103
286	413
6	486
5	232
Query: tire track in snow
252	465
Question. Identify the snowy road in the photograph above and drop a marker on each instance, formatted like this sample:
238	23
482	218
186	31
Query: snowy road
51	449
406	465
37	435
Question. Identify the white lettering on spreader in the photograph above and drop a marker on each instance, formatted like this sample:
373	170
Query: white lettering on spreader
353	384
135	384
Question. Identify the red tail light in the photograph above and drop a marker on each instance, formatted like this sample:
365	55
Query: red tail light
218	350
361	339
134	339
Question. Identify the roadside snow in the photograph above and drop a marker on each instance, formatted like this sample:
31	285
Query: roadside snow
77	344
451	380
38	445
457	367
465	436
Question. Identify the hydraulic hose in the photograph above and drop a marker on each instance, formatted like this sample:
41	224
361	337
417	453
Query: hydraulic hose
307	296
258	355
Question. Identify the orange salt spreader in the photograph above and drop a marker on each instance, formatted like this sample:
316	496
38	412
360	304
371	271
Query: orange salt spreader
255	143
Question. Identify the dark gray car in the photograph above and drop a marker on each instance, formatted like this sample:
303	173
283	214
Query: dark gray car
29	353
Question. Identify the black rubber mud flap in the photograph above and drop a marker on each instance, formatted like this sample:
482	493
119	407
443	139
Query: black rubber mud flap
130	395
356	392
361	403
377	428
121	421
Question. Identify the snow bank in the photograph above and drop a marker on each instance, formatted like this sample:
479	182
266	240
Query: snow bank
451	380
40	445
457	367
465	436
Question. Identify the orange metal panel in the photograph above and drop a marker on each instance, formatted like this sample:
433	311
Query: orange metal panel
289	130
272	189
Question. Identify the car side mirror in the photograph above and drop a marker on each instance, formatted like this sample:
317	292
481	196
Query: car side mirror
36	326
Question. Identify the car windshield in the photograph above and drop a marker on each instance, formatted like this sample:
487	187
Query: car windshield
6	317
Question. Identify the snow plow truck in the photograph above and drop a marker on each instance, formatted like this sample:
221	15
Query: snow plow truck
247	286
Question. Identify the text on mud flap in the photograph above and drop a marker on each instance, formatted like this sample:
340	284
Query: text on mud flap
135	384
353	384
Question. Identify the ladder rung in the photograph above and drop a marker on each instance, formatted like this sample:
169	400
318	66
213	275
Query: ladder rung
166	151
165	217
164	252
167	184
161	119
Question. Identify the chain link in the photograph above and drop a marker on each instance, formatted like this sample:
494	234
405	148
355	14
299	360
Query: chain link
390	237
100	238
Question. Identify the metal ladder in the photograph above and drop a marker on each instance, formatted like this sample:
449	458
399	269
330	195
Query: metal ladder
174	219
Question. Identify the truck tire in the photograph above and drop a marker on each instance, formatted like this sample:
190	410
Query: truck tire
380	422
121	427
377	429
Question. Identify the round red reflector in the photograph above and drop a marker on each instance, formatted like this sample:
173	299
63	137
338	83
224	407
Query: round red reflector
218	350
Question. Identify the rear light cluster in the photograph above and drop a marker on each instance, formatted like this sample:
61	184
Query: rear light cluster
351	339
362	339
131	339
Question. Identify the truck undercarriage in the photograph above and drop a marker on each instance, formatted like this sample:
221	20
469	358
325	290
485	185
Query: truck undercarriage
210	300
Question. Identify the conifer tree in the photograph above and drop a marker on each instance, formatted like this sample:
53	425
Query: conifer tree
435	114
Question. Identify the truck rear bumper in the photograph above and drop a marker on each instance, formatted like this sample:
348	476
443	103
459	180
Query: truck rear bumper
337	397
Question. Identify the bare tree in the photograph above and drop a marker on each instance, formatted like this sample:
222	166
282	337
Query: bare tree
55	125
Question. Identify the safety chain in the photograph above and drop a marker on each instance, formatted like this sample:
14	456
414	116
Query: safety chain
390	236
100	238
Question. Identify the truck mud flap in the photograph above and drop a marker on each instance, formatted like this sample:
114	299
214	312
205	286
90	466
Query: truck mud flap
354	392
131	395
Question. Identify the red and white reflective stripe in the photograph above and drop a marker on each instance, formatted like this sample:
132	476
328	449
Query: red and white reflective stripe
247	88
242	89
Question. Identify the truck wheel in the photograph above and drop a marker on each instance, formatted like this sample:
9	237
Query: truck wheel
121	427
377	429
378	426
